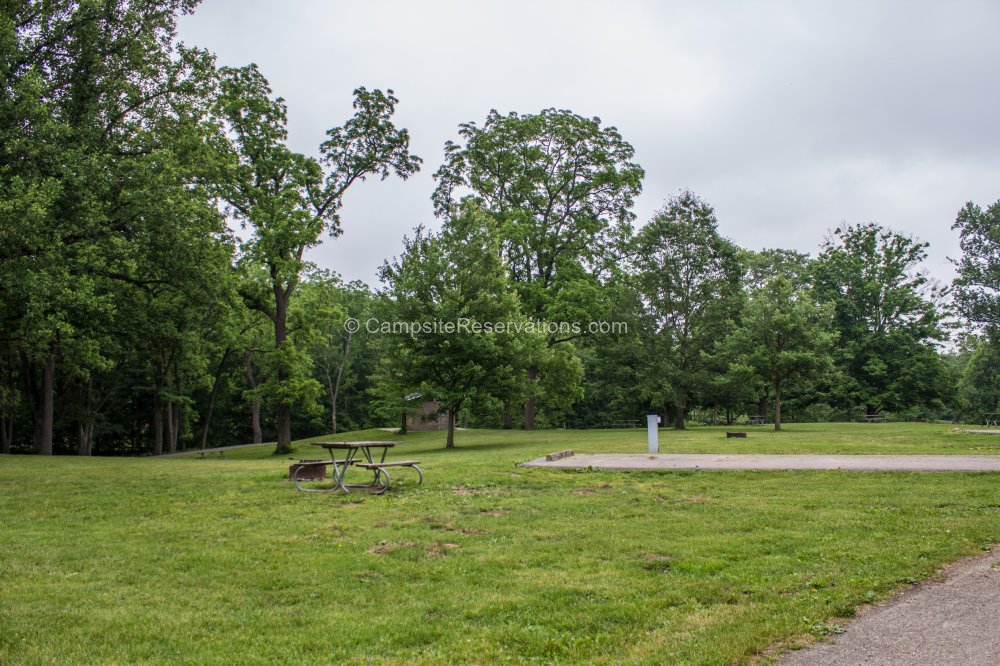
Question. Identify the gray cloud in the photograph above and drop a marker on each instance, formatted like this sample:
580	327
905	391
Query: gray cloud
789	117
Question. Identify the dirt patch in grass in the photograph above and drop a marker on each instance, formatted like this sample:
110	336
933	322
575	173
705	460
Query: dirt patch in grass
497	513
386	547
653	557
464	491
439	548
656	563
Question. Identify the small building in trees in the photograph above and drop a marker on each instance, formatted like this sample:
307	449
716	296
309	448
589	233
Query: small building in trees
426	415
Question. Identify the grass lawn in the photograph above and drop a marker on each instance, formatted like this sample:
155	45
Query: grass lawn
212	561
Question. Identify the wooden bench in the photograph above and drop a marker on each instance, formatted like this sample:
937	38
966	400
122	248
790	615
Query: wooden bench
379	467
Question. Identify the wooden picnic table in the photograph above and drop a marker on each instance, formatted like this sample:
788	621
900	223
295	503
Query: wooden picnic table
380	481
876	418
756	420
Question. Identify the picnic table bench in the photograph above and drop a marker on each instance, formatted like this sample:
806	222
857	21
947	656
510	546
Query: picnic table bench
876	418
991	419
625	423
756	420
202	454
380	481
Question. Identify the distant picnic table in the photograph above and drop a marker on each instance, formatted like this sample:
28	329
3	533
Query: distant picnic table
876	418
378	485
756	420
625	423
991	419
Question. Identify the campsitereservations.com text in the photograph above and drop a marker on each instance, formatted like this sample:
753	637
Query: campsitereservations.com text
463	326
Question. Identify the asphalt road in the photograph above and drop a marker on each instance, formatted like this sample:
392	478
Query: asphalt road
955	620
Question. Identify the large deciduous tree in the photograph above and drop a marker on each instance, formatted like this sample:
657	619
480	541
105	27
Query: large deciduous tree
784	336
472	339
559	188
324	315
288	200
977	287
688	276
102	145
887	315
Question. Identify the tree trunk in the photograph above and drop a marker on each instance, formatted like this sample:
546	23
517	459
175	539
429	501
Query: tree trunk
82	439
336	384
762	406
283	418
529	404
258	435
871	410
777	405
157	429
333	406
211	398
84	427
5	420
6	433
715	414
450	444
258	432
43	443
508	416
178	418
679	416
171	433
158	408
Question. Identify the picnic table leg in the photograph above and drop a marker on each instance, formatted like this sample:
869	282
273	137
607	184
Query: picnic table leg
380	472
377	484
340	469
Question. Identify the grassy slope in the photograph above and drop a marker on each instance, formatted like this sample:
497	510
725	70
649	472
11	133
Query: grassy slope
222	561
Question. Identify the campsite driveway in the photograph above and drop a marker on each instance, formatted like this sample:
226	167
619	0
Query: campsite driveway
712	461
954	620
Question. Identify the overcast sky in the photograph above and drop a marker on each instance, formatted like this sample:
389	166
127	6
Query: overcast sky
788	117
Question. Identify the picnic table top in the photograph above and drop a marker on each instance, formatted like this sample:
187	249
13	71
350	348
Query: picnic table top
354	445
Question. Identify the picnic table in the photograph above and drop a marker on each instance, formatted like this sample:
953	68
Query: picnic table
756	420
625	423
991	419
380	481
876	418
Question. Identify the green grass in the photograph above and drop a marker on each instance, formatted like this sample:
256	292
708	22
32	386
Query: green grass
221	561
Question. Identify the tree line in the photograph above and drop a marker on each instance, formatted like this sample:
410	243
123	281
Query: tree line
154	293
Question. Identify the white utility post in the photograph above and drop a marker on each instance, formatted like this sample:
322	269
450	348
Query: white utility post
653	432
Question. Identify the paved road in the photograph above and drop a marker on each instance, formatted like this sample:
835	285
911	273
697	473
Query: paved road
712	461
952	621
